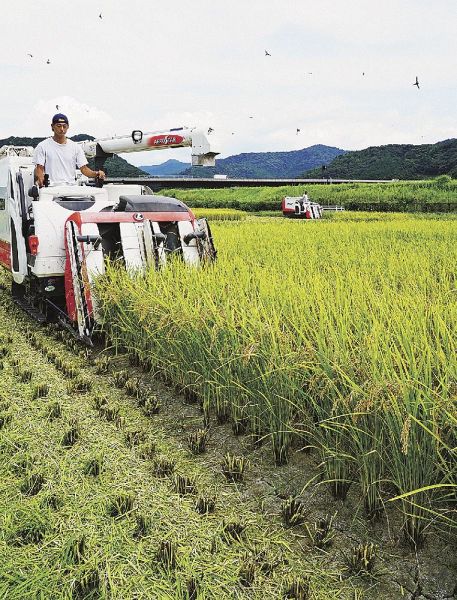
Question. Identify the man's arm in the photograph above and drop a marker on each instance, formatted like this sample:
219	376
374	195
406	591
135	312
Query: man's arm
85	170
39	175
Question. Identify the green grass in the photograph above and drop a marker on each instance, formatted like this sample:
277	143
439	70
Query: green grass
438	195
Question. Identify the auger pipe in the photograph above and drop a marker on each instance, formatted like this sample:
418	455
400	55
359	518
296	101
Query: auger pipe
137	141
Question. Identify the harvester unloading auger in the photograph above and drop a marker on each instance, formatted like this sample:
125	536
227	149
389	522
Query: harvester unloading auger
55	240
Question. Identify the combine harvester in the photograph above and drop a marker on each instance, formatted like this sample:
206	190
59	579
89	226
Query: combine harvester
55	240
300	207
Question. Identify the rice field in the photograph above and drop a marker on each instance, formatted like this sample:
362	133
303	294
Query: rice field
337	337
280	424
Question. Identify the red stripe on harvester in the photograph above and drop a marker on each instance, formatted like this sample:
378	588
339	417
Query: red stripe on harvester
5	254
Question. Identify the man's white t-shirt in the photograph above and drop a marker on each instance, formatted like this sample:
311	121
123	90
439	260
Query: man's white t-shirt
60	160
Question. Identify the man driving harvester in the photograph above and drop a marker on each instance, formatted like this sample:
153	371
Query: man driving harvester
59	157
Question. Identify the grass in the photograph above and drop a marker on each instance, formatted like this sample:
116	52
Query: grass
435	195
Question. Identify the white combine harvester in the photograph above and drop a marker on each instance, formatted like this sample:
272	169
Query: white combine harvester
300	207
55	240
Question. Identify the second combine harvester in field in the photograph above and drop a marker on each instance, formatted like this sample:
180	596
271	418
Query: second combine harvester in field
55	240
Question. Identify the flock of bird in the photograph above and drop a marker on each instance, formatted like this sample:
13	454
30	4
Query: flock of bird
210	129
416	83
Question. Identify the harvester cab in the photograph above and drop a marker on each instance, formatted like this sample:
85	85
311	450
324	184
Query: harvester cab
57	239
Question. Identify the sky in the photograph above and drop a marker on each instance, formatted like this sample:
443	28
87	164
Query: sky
339	71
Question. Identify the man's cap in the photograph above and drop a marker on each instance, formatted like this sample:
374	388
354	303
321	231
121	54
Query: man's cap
59	118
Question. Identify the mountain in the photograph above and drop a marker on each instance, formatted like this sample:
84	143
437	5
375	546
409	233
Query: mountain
394	161
269	164
167	169
114	167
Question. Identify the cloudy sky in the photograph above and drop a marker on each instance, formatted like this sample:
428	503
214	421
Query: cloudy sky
340	71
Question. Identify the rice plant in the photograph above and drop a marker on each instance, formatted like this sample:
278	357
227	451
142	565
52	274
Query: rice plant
166	554
350	352
298	588
71	435
40	390
131	388
75	550
361	559
134	437
5	419
142	526
25	376
33	483
151	405
147	450
110	412
233	467
205	504
247	571
54	411
321	532
79	385
197	441
233	531
184	485
100	401
86	585
121	504
102	365
94	466
4	351
163	467
293	512
29	527
120	378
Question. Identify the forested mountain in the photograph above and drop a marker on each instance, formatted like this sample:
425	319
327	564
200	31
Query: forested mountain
166	169
114	167
394	161
269	164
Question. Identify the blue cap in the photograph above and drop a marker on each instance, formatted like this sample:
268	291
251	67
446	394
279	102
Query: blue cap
59	118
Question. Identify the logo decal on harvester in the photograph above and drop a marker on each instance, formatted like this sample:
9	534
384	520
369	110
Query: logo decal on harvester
165	140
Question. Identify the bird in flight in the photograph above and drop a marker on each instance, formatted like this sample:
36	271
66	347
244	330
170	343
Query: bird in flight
251	117
417	82
100	16
31	55
48	62
363	73
267	53
57	106
298	131
210	130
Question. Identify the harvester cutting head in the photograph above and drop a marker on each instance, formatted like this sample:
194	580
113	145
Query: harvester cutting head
140	231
